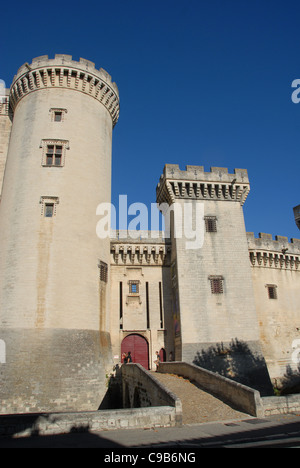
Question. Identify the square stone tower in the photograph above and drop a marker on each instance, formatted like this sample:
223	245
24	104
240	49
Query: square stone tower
213	302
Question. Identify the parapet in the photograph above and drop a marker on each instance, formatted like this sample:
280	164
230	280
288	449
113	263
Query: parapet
148	248
195	183
64	72
274	253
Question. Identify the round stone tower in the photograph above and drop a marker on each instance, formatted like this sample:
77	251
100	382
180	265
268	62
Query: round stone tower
54	307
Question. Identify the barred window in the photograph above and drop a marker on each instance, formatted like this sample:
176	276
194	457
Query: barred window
216	284
272	291
210	223
133	287
103	271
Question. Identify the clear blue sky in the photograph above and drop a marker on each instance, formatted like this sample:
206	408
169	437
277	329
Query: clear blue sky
202	82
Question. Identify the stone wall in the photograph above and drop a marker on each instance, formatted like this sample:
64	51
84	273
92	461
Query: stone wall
275	265
63	423
141	389
281	405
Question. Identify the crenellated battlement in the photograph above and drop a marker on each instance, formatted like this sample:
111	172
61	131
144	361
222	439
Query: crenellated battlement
195	183
278	253
150	248
63	72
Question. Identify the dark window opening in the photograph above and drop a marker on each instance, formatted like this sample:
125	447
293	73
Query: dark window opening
210	224
49	210
103	272
160	306
57	116
147	305
272	292
121	305
216	285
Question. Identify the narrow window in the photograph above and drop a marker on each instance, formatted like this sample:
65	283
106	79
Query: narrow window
216	284
272	291
49	209
57	156
147	305
160	307
49	155
121	305
103	272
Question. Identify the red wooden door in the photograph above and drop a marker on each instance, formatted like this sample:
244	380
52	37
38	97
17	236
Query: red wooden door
162	354
138	346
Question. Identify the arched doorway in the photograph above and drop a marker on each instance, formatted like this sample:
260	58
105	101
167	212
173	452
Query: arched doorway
138	345
162	355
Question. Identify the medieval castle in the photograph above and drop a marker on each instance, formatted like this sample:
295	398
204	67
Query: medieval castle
72	303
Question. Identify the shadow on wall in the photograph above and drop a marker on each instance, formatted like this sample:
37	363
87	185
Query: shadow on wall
290	383
236	361
113	396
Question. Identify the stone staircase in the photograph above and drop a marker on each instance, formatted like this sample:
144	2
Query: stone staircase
198	406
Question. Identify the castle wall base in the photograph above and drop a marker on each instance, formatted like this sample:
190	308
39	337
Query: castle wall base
53	370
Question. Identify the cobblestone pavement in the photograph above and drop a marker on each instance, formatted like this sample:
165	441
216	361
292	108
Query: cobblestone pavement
197	406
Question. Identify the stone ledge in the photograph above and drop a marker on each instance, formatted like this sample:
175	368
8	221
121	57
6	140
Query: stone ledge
26	425
281	405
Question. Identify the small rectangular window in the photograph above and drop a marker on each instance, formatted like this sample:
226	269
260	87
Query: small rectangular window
133	287
210	223
49	209
216	284
272	291
57	116
48	206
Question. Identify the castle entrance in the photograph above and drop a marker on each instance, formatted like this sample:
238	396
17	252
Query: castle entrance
139	348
